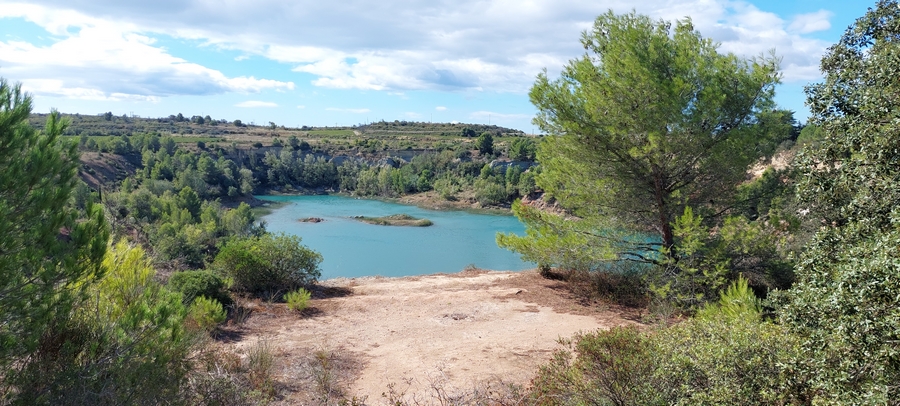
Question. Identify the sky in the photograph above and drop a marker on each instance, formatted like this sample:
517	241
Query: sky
348	62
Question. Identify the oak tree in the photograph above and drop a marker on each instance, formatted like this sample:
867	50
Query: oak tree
847	295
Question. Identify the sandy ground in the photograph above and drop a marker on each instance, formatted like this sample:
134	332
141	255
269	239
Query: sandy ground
449	331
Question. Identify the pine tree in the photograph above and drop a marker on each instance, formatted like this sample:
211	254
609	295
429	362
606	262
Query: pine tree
650	121
45	250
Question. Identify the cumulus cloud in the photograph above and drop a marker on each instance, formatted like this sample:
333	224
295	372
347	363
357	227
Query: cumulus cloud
393	46
440	108
745	30
355	111
255	103
97	59
812	22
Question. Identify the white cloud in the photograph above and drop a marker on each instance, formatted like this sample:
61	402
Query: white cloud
812	22
97	59
255	103
745	30
356	111
440	108
301	107
490	115
57	88
395	46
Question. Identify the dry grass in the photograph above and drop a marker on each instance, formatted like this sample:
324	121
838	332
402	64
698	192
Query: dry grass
493	391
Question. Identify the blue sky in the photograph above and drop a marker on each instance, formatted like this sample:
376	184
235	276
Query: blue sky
299	62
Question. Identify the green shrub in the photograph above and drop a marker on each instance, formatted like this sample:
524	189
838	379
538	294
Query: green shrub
447	187
488	192
298	299
526	183
207	313
268	263
193	284
736	302
727	356
124	344
610	367
522	149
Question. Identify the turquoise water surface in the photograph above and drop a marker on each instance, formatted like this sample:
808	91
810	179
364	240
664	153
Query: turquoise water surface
352	249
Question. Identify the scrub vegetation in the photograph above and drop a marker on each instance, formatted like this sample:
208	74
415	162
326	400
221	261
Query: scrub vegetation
127	243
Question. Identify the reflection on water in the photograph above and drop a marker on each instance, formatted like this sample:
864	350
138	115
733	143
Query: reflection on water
351	248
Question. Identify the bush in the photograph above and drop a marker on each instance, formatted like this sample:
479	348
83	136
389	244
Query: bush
488	192
261	365
728	355
298	299
194	284
522	149
447	188
610	367
622	284
485	143
268	263
124	344
527	184
207	313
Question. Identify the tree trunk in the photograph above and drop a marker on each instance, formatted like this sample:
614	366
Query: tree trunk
665	226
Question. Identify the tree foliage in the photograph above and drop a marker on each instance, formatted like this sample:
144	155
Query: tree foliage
522	149
650	121
45	251
123	343
728	356
485	143
194	284
268	263
846	299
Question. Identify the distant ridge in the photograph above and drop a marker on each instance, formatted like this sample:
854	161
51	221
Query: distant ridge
107	124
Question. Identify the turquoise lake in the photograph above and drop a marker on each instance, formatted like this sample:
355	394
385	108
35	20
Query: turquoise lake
351	248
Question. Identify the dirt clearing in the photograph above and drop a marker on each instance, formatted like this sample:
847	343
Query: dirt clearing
452	331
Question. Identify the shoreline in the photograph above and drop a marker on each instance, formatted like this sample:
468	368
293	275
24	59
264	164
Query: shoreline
464	273
423	200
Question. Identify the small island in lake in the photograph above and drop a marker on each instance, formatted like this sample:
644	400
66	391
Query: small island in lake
395	220
311	220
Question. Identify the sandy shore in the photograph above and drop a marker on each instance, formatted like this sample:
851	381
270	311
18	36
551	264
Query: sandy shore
455	332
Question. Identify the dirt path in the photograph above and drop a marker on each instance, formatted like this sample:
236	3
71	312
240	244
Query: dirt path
449	331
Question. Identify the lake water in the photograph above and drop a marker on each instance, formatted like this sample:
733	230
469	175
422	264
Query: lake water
351	248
